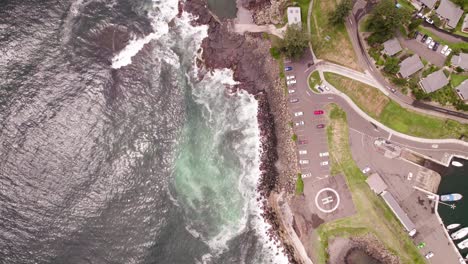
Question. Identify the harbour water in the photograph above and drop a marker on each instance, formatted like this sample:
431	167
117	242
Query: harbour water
359	256
455	180
223	8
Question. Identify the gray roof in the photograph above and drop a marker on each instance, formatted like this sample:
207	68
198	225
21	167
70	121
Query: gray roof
392	46
464	27
376	183
429	3
400	214
294	16
462	90
434	81
449	11
410	65
460	60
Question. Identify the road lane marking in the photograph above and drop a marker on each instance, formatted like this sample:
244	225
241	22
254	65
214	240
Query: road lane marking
389	136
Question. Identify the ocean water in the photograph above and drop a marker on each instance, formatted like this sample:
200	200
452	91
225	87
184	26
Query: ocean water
122	157
359	256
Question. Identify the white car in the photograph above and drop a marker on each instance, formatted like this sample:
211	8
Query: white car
325	87
302	152
420	15
429	255
291	91
323	154
306	175
430	21
300	123
303	162
290	77
428	41
290	82
299	114
444	49
324	163
431	45
448	52
366	170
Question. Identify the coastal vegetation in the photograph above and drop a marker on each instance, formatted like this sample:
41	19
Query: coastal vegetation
327	38
372	215
341	11
377	105
295	42
299	185
385	20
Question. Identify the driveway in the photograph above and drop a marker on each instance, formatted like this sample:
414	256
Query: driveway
415	45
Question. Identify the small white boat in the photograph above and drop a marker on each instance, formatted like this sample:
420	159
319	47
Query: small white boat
463	244
452	226
460	234
457	164
451	197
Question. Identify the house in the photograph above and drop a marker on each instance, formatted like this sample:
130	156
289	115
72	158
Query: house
462	90
398	211
450	12
392	47
460	61
376	183
434	81
294	16
428	3
464	27
410	65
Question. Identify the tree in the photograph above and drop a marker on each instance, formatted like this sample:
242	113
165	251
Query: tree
385	20
391	65
299	185
414	24
341	12
294	42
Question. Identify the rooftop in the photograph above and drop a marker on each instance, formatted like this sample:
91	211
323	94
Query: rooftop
460	60
464	27
376	183
449	11
429	3
462	90
399	213
294	16
434	81
410	65
392	46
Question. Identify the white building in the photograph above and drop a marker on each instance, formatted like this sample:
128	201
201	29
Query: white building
294	16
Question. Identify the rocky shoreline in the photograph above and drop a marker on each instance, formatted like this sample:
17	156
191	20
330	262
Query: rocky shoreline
258	74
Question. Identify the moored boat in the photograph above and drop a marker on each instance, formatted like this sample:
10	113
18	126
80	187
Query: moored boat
452	226
463	244
451	197
457	164
460	234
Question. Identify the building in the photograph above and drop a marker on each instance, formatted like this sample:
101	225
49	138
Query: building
460	61
399	213
434	81
464	27
376	183
462	90
410	65
428	3
450	12
294	16
392	46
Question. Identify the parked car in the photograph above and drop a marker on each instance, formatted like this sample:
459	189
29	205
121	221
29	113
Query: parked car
436	45
444	49
302	142
306	175
291	82
420	15
325	87
430	21
428	41
302	152
421	245
448	52
424	38
320	89
288	68
291	91
323	154
429	255
320	126
324	163
293	100
290	77
416	33
393	90
318	112
303	162
366	170
431	45
299	114
300	123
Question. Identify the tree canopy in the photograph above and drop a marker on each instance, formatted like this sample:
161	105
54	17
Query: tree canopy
295	42
341	12
385	19
391	65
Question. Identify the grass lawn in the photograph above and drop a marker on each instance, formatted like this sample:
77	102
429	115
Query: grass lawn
304	5
339	48
314	79
373	216
407	5
456	79
391	114
455	46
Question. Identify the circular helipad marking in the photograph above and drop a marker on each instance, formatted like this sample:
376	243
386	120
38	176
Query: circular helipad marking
334	207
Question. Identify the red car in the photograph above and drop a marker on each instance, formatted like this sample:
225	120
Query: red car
318	112
320	126
302	142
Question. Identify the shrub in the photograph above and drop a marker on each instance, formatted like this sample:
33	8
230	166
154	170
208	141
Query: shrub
391	65
399	81
295	42
275	52
341	12
294	137
299	185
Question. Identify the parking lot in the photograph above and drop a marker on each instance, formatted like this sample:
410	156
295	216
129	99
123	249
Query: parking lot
421	48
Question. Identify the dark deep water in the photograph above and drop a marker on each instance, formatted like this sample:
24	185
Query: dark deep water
223	8
121	159
455	181
359	256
